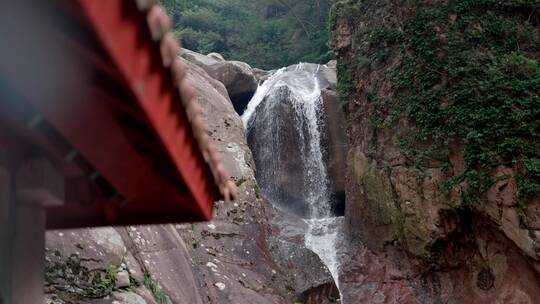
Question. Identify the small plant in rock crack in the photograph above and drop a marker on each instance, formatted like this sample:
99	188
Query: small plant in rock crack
159	295
72	282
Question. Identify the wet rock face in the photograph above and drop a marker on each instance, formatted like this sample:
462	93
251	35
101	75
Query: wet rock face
280	139
335	139
322	294
397	216
284	183
311	278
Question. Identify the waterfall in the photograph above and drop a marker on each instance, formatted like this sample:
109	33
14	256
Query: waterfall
285	129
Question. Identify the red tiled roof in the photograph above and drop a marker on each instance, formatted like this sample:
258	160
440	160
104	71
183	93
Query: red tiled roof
128	121
160	24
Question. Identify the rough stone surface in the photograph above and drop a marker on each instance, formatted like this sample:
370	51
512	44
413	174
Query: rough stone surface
230	255
237	77
162	253
97	247
125	297
200	60
122	279
216	56
261	75
288	250
128	298
409	242
336	141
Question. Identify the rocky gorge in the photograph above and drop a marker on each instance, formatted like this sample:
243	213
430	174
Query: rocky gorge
404	172
252	252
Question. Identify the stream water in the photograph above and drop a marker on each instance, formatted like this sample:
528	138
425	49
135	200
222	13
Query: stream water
285	128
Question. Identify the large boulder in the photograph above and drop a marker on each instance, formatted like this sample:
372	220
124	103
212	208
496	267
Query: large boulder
312	278
273	126
231	259
200	60
238	77
279	123
239	80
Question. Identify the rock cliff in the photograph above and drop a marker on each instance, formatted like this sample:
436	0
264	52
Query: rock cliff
442	189
247	254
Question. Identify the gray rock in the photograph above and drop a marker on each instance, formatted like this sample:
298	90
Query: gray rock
52	299
332	64
273	127
98	247
289	251
133	267
216	56
163	254
128	298
199	59
261	75
227	130
237	77
145	294
122	279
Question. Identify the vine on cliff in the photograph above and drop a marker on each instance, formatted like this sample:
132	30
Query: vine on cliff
469	77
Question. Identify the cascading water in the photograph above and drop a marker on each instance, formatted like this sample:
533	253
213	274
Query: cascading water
285	128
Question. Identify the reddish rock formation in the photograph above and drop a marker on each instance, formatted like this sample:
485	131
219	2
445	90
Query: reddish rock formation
408	241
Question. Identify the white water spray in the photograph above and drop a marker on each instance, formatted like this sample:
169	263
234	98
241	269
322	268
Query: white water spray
268	120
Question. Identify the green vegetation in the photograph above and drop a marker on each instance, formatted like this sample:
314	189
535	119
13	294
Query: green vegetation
264	33
159	295
345	86
468	78
476	84
347	9
239	182
73	282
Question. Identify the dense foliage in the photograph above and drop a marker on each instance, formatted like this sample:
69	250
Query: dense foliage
478	85
468	77
264	33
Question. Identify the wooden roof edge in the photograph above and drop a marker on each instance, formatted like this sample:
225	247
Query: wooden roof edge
160	25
